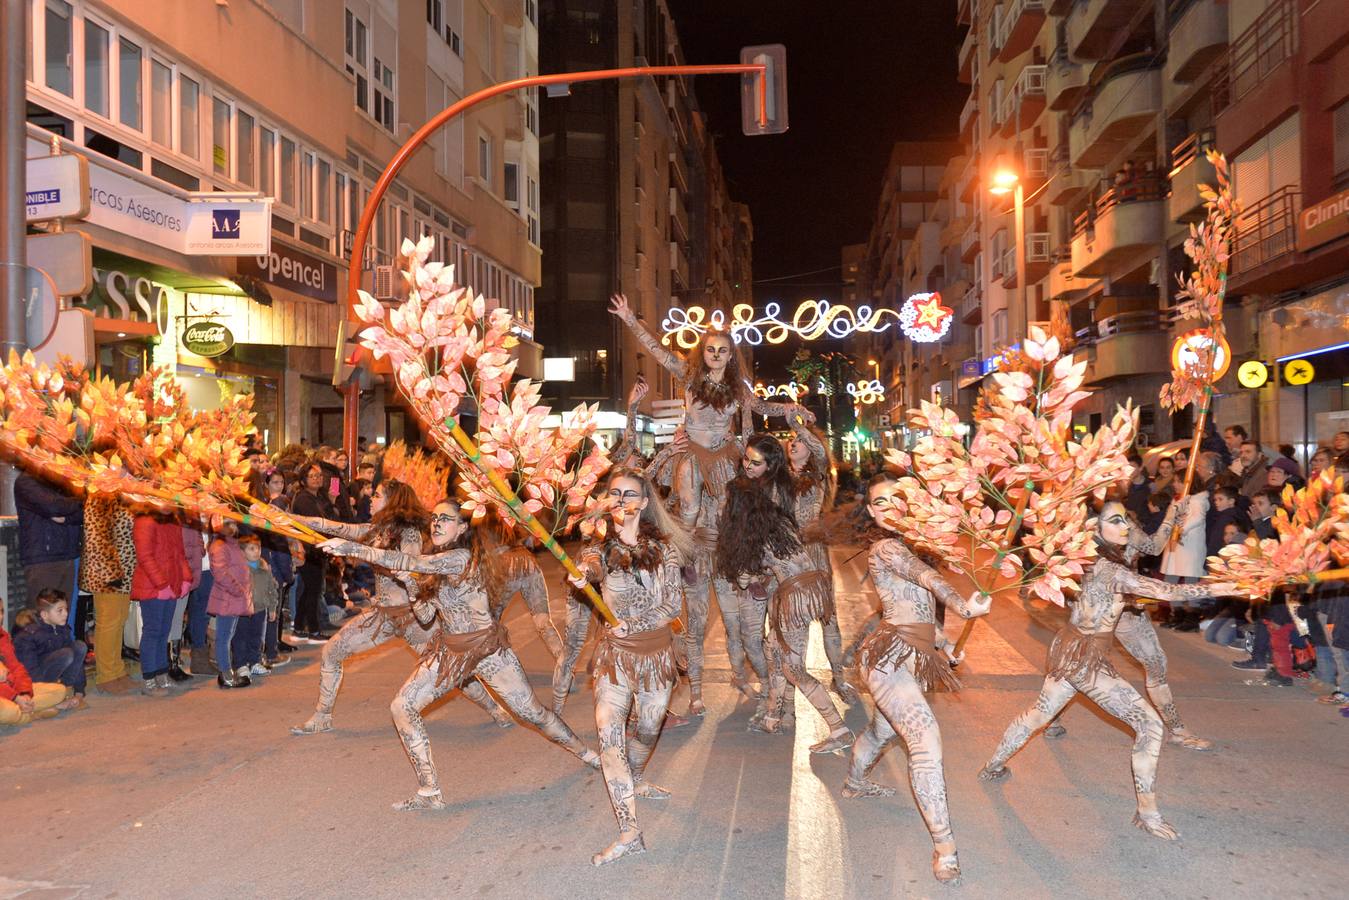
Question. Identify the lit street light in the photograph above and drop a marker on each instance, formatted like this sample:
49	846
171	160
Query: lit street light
1005	180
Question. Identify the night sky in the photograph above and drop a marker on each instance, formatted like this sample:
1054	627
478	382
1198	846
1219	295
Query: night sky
857	82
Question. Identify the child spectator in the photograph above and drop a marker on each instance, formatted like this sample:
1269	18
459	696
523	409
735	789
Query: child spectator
47	650
231	600
1263	505
1224	512
259	649
22	700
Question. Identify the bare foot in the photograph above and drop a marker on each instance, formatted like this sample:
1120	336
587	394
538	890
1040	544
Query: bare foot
1189	741
1055	730
675	720
317	723
946	866
696	707
1155	825
421	801
744	687
998	774
502	718
592	759
846	692
837	740
648	791
619	849
865	789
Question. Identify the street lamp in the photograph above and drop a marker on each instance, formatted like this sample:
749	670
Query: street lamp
1005	180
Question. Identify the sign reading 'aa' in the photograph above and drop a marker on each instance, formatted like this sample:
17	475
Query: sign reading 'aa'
207	339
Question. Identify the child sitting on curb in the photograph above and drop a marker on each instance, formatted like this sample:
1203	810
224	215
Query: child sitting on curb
22	701
47	650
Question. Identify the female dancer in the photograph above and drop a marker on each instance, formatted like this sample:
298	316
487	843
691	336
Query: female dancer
1079	661
715	393
813	474
399	521
760	541
1139	638
898	660
638	569
466	642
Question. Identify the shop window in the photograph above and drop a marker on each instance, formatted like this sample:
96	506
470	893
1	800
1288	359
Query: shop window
112	148
129	83
220	136
245	151
267	162
59	46
324	191
161	103
287	172
189	96
96	71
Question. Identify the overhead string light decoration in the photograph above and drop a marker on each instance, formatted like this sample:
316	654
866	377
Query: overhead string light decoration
923	319
866	392
812	320
791	390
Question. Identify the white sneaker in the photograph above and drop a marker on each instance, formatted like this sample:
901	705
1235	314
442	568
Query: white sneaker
259	669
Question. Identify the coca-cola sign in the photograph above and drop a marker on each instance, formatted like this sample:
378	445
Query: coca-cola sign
207	339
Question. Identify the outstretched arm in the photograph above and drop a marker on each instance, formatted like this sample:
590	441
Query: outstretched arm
628	446
668	359
1127	581
891	555
803	433
344	530
788	411
1153	544
451	562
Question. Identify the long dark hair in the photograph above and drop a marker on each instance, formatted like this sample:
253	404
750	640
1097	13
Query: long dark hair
753	525
733	385
401	510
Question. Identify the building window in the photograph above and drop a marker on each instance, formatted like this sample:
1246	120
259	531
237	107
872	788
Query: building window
267	162
220	136
188	100
1341	127
161	103
307	184
324	192
485	159
357	58
434	13
382	98
245	154
532	12
532	110
488	29
59	47
96	72
510	187
129	84
287	178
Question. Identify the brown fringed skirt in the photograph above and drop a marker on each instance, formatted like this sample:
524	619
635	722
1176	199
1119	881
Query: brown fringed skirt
716	467
398	618
646	659
803	599
1076	654
455	656
890	645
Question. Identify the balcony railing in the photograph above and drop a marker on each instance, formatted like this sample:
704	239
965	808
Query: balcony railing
1025	100
1018	27
1065	80
1257	52
970	114
1137	189
1198	35
1266	230
971	306
1190	168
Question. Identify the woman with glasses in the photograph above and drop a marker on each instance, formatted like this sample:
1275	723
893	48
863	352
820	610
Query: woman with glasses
638	569
398	521
466	642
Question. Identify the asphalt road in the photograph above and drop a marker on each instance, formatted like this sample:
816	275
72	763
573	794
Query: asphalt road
207	794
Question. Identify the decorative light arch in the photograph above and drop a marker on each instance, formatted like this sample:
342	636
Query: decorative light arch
922	318
812	320
866	392
791	390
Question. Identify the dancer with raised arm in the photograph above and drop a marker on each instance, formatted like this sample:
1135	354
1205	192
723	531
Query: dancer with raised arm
898	661
1139	638
1079	662
813	474
716	393
638	570
466	642
760	549
398	521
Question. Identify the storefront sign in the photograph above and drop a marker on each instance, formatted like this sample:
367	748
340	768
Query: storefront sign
117	295
1252	374
1323	222
1298	372
194	225
294	270
57	187
207	339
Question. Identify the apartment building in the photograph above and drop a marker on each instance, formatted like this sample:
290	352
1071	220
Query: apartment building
634	201
1105	109
296	104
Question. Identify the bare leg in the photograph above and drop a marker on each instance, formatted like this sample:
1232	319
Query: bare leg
364	632
1119	698
794	668
502	671
651	707
579	615
696	602
729	604
901	706
1054	696
1136	632
751	614
612	702
418	692
474	691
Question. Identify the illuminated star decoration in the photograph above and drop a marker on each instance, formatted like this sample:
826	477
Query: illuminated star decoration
791	390
866	392
812	320
922	318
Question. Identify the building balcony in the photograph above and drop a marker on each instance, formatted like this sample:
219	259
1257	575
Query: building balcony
679	170
1019	25
1067	182
1253	56
969	115
1266	232
1125	103
969	243
679	261
1065	80
1198	36
1025	101
1093	25
971	309
1037	260
1128	344
1064	286
1190	168
965	57
1127	220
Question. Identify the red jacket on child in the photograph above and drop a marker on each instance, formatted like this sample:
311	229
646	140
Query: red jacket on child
17	683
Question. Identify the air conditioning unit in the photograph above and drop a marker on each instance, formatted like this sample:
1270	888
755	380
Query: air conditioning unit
385	282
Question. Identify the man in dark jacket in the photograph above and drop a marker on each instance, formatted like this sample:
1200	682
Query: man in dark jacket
50	525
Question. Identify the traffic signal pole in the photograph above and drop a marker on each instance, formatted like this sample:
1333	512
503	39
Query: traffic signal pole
13	206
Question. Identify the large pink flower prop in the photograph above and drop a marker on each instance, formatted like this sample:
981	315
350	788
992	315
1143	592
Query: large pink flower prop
958	504
444	346
1311	528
